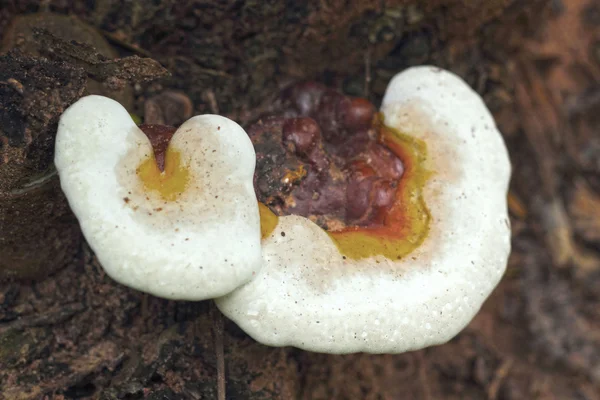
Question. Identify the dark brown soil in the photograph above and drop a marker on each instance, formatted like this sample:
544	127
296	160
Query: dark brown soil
78	334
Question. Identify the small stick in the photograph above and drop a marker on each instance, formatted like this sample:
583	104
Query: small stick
367	73
499	376
218	328
209	96
111	37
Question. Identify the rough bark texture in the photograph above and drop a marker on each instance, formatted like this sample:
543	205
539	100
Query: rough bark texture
77	334
39	234
34	94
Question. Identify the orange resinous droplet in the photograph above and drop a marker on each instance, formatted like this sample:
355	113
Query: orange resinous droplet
171	182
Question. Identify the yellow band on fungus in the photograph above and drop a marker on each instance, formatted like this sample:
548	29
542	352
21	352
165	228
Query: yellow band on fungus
171	182
268	220
407	223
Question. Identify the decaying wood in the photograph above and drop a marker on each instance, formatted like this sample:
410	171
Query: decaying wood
543	97
38	232
585	209
78	334
115	72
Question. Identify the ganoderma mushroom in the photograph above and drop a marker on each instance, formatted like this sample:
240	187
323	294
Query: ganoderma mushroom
168	212
410	264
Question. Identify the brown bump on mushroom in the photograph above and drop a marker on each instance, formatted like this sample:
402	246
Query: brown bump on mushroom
357	114
329	117
387	164
403	221
358	193
329	190
302	133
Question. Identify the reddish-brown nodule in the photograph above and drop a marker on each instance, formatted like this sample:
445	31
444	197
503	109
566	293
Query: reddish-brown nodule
301	133
357	114
349	178
368	195
159	136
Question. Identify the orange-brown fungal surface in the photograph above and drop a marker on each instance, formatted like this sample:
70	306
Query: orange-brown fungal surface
330	158
405	223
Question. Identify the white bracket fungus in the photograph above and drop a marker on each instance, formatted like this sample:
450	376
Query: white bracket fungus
318	293
193	231
190	232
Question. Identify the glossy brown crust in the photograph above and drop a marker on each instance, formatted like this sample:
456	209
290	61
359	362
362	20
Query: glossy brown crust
159	136
320	156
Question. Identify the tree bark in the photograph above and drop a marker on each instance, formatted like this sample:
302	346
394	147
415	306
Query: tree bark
38	233
78	334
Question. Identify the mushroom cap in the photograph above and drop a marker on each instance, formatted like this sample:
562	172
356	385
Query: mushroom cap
310	296
192	232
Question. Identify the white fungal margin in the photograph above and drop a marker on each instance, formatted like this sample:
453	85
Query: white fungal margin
201	245
308	296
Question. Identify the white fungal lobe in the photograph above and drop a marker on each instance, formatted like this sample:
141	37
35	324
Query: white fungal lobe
192	232
309	296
